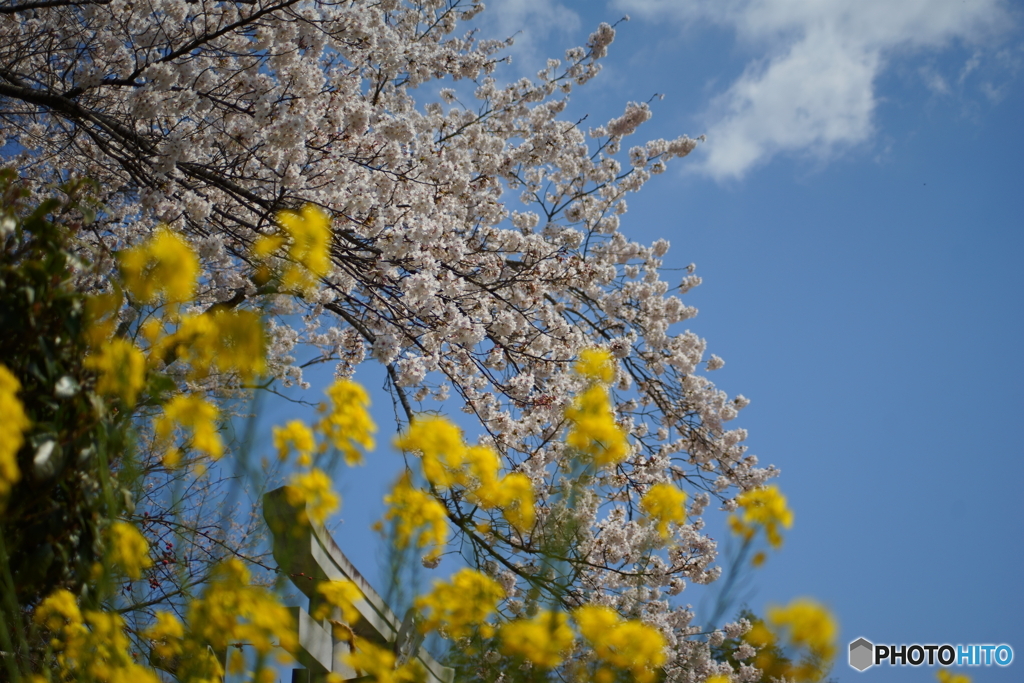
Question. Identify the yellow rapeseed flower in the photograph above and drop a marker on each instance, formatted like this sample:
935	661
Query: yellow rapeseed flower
451	462
196	415
340	594
310	232
484	464
594	621
241	343
595	364
193	342
232	610
12	428
266	245
624	644
759	635
347	422
120	368
313	488
164	264
174	645
108	656
101	311
665	504
516	501
308	236
804	627
417	515
461	605
377	663
448	462
57	610
166	634
128	549
543	640
638	648
295	436
221	340
809	624
594	431
440	445
764	508
89	645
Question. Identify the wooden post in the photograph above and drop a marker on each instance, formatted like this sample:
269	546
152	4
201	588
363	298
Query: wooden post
309	555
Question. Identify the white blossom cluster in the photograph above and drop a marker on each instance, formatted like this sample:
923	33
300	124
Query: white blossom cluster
476	245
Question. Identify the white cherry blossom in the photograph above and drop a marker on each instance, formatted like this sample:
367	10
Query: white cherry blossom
479	238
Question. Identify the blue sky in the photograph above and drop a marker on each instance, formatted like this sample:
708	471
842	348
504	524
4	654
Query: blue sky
852	214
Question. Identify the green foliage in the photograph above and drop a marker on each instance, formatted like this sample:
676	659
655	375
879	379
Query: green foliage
54	517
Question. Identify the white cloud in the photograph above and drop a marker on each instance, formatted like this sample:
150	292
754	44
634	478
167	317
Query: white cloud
969	66
812	90
531	22
812	98
995	94
934	81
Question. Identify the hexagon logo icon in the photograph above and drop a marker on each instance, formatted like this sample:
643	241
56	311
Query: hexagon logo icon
862	654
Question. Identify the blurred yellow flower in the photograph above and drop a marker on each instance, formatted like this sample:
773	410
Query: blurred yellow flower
128	549
121	369
759	635
310	232
763	507
516	501
665	504
12	428
313	488
417	515
595	364
57	610
266	245
440	445
625	644
175	646
544	640
805	630
308	235
460	605
101	312
232	610
294	436
90	645
196	415
594	431
483	464
221	340
340	594
377	663
166	634
809	625
347	422
164	264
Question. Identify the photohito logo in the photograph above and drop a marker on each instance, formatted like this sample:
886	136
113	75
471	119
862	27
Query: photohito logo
864	653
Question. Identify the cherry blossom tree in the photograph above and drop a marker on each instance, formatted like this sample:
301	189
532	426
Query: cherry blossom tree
474	248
